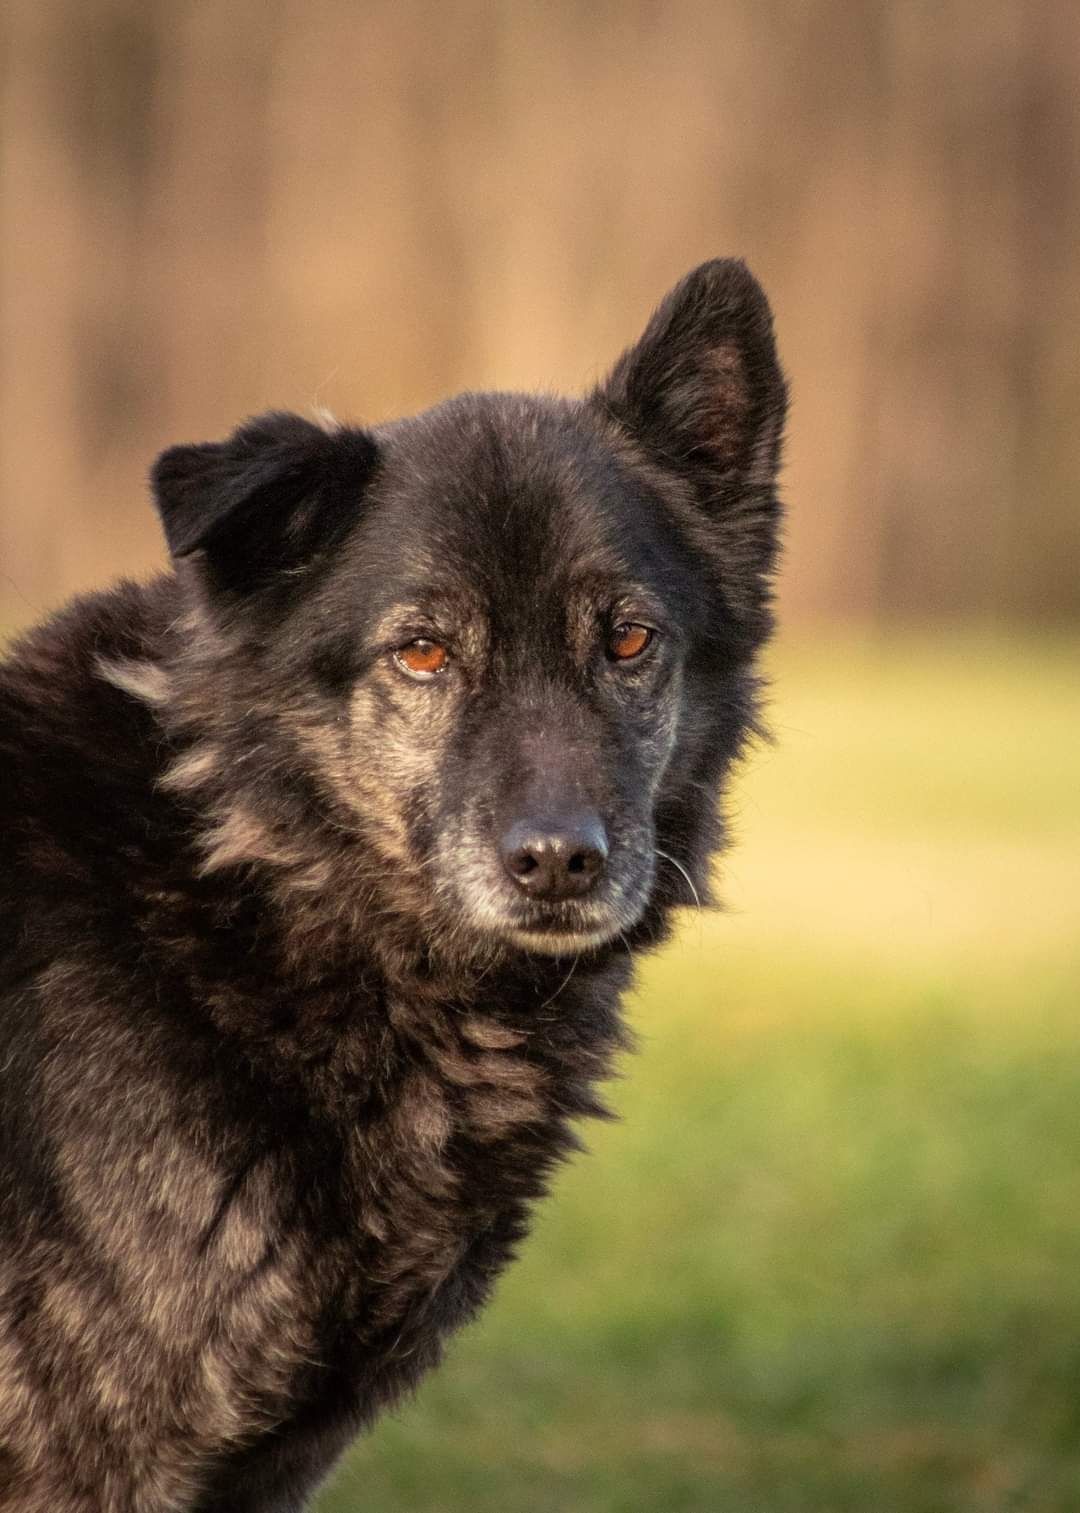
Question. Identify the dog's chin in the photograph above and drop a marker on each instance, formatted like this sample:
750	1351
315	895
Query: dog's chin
498	921
570	930
541	942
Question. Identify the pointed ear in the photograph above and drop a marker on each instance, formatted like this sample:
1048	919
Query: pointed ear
702	394
265	501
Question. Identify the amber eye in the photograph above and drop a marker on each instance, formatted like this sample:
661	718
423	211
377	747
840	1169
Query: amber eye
422	658
629	641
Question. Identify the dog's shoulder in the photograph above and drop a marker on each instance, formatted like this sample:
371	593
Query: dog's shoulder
59	682
78	751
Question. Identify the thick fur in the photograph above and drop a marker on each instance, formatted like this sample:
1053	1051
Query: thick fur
285	1054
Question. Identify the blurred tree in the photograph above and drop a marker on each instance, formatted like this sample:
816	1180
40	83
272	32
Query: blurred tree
208	209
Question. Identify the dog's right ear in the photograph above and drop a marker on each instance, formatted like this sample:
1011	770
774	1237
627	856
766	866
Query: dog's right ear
703	395
263	503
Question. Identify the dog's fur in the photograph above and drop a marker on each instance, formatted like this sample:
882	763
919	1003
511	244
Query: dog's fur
286	1054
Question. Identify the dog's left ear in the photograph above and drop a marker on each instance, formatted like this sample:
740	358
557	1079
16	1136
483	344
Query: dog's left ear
703	396
264	502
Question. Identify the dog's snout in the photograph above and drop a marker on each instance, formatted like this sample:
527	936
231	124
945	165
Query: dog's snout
555	861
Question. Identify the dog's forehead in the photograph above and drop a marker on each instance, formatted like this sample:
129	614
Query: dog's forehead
486	481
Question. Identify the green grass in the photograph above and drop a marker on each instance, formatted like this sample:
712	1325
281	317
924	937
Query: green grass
830	1259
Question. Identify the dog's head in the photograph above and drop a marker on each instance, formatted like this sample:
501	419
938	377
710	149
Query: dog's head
507	642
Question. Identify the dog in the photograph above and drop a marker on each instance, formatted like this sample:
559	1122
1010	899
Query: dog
326	857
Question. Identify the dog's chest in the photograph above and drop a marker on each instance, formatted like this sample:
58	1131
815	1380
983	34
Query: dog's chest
451	1146
428	1164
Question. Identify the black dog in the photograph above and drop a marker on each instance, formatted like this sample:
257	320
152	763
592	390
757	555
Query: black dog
324	861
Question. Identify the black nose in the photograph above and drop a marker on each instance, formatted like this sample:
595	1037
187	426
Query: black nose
555	861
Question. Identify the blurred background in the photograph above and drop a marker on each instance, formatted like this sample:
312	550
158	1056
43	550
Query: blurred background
831	1258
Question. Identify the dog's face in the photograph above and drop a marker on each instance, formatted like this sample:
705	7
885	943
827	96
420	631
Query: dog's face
508	638
517	656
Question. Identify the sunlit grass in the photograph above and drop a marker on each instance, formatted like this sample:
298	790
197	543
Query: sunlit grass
830	1259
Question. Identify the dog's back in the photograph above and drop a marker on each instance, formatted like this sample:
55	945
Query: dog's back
324	860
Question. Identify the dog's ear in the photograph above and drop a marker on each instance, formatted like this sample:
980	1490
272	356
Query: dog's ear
263	503
702	394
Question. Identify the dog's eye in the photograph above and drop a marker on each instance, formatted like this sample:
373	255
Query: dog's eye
628	641
422	658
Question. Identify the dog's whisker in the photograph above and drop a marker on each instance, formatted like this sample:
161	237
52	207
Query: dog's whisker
562	985
680	868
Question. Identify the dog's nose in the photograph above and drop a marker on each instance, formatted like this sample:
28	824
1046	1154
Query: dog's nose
554	862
